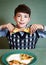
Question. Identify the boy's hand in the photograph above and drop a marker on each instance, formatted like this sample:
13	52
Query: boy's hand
34	27
10	27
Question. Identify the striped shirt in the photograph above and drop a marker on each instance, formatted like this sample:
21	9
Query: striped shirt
23	40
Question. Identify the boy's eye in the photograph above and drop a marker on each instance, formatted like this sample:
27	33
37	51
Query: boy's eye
18	15
25	16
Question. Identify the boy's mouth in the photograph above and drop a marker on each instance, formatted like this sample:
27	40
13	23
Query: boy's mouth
21	23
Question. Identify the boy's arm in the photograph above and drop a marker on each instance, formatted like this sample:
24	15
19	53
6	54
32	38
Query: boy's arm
3	32
8	26
41	30
42	33
5	28
35	27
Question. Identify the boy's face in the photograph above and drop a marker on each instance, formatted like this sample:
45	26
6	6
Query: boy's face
22	19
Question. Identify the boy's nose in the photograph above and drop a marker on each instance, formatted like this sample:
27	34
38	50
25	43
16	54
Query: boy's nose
22	18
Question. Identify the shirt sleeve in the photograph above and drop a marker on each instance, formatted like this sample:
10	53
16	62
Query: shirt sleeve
42	33
3	32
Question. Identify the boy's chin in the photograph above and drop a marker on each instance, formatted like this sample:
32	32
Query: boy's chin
22	26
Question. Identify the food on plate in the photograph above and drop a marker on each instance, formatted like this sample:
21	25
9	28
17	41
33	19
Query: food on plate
19	59
25	56
15	62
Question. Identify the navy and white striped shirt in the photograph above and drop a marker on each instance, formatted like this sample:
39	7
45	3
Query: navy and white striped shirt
23	40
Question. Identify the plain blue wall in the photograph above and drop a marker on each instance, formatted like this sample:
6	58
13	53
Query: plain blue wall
38	8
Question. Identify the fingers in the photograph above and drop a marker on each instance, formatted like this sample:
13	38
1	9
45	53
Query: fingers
0	27
10	27
33	28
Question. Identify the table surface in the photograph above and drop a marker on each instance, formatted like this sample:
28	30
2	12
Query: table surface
39	52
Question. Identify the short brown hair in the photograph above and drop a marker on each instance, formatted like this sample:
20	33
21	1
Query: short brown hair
22	8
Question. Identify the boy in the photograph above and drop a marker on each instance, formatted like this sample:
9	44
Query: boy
22	36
